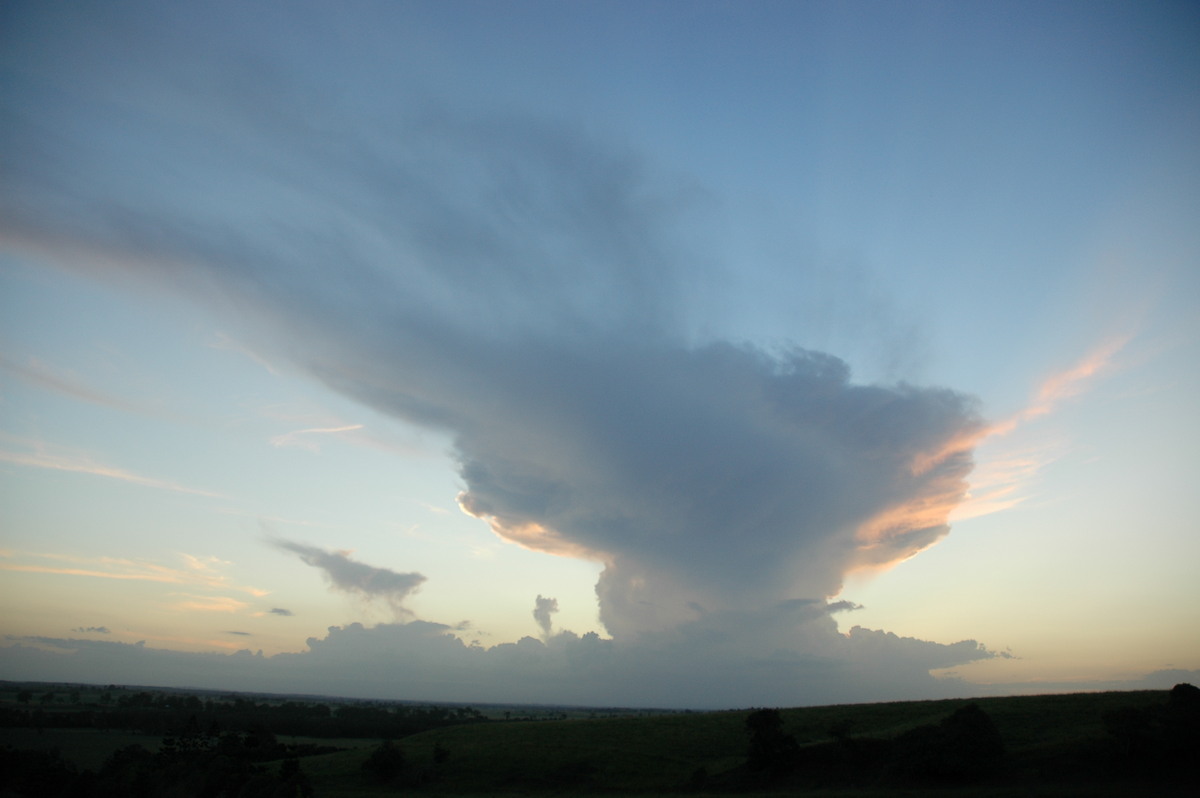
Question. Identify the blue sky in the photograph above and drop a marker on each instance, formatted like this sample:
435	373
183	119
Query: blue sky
701	354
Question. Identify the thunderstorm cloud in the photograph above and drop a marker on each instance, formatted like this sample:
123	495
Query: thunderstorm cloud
513	282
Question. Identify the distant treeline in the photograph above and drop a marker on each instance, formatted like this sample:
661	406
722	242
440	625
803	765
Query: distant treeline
1157	743
166	713
191	764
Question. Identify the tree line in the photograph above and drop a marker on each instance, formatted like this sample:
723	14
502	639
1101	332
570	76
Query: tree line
161	713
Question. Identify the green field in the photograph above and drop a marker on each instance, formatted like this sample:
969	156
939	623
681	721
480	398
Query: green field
664	755
1054	746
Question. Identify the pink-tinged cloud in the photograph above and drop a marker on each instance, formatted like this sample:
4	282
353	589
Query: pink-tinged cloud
1063	385
209	604
1073	381
996	485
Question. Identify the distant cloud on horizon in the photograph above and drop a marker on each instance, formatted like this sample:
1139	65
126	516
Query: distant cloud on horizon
425	661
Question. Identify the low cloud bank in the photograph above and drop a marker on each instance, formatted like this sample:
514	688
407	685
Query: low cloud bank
811	664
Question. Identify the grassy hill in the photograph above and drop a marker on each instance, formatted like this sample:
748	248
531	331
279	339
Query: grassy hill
1051	744
1106	744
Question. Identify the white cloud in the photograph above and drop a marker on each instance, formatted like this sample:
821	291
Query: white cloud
304	438
810	664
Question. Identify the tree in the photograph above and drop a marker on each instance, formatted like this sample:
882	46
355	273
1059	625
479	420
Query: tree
963	748
770	748
385	764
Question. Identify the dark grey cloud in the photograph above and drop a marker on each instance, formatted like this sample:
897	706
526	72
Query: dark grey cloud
281	611
719	477
99	630
543	612
239	634
426	661
512	281
351	576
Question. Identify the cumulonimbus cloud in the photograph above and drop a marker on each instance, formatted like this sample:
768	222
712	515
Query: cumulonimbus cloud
504	279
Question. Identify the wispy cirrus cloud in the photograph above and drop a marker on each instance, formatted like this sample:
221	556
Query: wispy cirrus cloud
1000	482
1065	384
225	342
315	424
308	438
1074	380
35	371
199	571
194	603
59	458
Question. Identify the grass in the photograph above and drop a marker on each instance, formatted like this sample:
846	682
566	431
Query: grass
1047	739
661	755
87	748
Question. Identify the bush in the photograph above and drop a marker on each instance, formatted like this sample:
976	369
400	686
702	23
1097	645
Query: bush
963	748
385	764
770	748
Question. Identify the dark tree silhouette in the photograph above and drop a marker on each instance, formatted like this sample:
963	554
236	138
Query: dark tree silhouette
770	749
964	747
385	764
1162	739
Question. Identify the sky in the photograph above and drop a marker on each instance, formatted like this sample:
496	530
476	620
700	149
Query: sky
644	354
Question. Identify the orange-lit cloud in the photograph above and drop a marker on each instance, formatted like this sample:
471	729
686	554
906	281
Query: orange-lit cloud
902	530
996	484
1073	381
1063	385
534	537
209	604
1053	391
